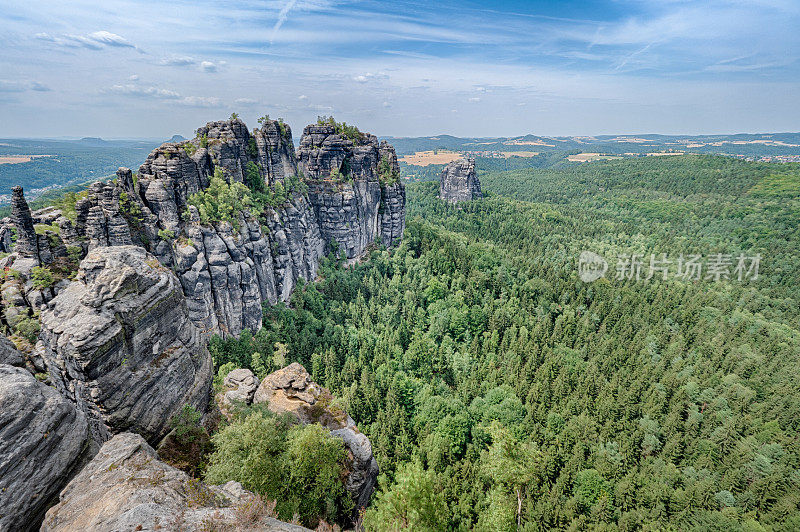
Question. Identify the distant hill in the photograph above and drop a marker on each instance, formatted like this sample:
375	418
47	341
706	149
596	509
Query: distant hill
93	141
743	144
177	138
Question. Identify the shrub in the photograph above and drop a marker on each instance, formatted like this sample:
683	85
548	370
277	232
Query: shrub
252	149
166	234
187	444
222	201
301	467
349	132
386	175
42	277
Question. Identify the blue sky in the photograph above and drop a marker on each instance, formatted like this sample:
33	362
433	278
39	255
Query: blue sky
125	68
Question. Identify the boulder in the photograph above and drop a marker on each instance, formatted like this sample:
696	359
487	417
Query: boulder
290	390
240	387
459	182
126	488
9	354
43	440
118	342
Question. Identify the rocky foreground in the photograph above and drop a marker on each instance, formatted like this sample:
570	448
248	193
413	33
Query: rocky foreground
111	308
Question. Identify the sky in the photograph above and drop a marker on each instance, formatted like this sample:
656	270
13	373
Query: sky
144	69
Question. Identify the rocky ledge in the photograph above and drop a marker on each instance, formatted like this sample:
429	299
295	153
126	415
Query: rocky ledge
118	342
126	488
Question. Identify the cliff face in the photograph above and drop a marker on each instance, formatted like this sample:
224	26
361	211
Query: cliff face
354	203
118	342
458	181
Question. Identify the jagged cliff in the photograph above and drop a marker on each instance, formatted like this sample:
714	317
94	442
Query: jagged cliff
111	305
227	269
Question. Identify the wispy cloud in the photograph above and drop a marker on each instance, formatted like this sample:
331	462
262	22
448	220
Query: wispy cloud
282	18
143	91
96	40
22	86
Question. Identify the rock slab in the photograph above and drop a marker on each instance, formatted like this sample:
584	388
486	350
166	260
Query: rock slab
119	343
126	488
43	439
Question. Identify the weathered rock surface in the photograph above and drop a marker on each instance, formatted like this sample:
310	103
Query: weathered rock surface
353	208
43	439
227	271
9	354
240	387
126	488
119	343
458	181
290	390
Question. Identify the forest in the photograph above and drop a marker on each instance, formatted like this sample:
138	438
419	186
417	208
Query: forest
500	392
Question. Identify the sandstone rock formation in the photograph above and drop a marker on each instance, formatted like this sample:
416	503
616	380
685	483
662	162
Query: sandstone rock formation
458	181
43	439
9	354
126	488
352	204
119	343
291	390
240	387
228	270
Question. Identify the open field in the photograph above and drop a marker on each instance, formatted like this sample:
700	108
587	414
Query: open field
424	158
16	159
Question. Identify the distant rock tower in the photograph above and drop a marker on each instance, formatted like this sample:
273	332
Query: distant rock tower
458	181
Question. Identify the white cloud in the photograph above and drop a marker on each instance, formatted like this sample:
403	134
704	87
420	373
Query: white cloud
199	101
208	66
96	40
474	100
245	101
369	76
143	91
133	77
39	87
178	61
22	86
302	97
282	16
110	39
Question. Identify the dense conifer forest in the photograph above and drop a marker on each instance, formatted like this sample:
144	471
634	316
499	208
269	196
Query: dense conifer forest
501	391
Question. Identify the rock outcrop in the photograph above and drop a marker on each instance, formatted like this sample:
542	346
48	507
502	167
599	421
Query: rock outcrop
356	202
334	193
240	386
43	439
126	488
290	390
119	343
9	354
458	181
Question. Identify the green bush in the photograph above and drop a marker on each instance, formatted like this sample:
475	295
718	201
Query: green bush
301	467
166	234
222	201
187	444
42	277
